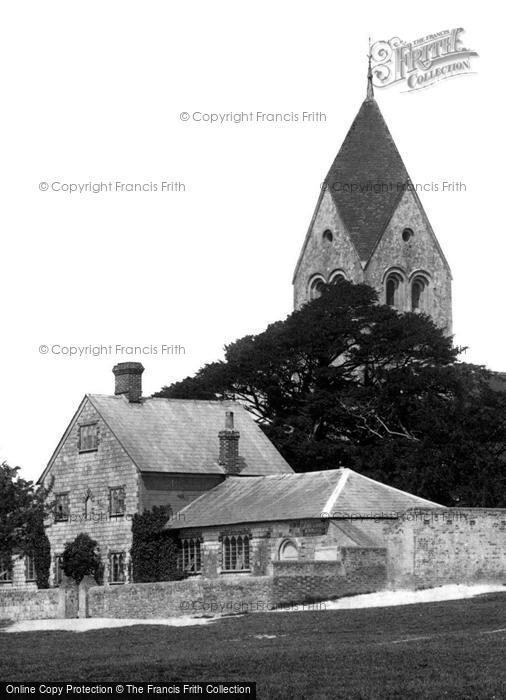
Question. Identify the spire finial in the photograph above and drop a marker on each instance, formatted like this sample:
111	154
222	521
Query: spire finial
370	90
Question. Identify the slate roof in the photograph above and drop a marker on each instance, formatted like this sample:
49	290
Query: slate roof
368	156
181	436
295	496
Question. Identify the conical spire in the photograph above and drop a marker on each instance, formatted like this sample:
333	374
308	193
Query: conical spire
370	89
367	178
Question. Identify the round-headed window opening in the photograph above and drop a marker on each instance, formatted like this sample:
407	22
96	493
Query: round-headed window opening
288	551
392	289
328	235
316	288
418	293
407	234
337	275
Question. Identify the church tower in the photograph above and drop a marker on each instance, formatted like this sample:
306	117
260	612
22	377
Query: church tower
369	226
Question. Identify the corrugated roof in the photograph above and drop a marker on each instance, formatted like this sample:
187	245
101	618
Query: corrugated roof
368	158
336	492
181	436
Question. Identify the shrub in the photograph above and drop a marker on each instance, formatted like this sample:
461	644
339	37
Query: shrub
81	558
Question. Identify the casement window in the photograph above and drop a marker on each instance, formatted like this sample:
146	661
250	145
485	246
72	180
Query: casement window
5	569
235	552
58	569
117	501
61	507
191	559
117	567
30	574
88	437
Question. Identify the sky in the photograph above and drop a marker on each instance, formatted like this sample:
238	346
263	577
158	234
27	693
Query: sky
94	93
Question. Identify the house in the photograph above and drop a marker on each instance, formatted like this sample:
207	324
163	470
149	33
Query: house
369	226
122	454
245	525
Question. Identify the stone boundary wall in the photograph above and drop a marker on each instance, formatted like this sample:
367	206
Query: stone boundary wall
454	545
19	604
360	570
197	597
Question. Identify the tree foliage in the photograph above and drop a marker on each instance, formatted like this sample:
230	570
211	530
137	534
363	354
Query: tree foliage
154	551
81	558
345	381
23	507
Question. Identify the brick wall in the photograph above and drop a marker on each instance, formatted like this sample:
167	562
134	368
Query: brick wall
454	545
359	570
29	605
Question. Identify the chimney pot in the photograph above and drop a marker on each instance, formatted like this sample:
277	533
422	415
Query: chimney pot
128	380
229	420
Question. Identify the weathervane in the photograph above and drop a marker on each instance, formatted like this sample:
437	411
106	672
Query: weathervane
370	90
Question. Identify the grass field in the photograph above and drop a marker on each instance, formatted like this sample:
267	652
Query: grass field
450	649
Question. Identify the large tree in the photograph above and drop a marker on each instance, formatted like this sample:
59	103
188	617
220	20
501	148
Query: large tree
346	381
23	507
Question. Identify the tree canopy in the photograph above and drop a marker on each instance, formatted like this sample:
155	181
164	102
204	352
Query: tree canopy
346	381
81	558
22	510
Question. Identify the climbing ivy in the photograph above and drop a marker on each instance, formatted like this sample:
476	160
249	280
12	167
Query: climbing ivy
154	551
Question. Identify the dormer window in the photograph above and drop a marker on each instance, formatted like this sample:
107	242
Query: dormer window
88	437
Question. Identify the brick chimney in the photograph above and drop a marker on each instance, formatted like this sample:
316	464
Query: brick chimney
229	446
129	380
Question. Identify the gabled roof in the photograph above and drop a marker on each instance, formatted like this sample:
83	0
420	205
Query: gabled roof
296	496
181	436
367	158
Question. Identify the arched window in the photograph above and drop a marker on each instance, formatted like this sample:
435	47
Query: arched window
393	290
316	288
288	551
337	275
328	235
419	294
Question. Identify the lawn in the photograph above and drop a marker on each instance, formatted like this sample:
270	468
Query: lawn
450	649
